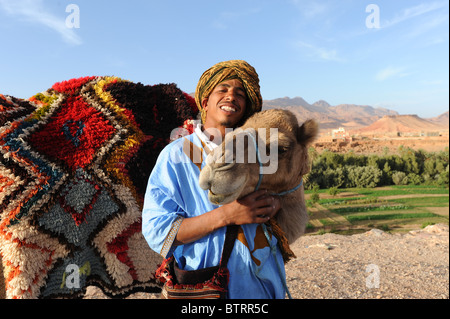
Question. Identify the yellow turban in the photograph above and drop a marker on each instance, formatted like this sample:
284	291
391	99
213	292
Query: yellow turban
227	70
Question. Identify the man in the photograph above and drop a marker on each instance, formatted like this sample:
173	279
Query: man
178	218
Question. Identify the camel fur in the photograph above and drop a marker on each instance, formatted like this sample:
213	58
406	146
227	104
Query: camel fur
228	180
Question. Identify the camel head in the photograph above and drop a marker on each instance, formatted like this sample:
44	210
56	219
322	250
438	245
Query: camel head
256	157
233	169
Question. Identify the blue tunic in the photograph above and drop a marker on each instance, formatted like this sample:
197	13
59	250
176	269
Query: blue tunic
173	193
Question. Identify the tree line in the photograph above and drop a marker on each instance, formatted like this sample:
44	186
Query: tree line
408	167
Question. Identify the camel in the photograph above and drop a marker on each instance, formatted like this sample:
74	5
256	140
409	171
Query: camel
229	176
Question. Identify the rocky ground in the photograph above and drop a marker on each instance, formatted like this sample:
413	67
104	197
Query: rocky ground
372	265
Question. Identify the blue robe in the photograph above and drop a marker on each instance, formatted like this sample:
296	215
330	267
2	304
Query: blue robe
173	193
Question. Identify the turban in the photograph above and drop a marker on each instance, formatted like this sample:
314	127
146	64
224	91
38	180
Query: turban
227	70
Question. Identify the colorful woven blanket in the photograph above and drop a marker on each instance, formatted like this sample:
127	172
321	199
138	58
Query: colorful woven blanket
73	172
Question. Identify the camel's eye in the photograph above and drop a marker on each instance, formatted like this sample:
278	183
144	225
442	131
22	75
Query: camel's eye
284	143
282	149
281	144
284	146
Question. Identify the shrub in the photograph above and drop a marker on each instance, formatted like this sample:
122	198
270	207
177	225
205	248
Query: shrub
442	179
399	178
314	198
333	191
363	176
331	169
315	195
414	179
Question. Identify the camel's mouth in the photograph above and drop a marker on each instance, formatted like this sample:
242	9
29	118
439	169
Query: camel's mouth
219	199
222	199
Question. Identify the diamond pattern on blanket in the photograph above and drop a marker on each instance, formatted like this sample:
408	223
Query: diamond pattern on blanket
79	197
74	165
76	130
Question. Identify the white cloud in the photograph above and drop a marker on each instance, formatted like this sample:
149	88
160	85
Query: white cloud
311	9
390	72
34	11
413	12
429	25
318	52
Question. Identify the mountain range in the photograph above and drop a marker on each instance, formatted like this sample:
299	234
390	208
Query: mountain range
355	117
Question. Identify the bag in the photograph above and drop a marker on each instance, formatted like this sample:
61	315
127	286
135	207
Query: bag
206	283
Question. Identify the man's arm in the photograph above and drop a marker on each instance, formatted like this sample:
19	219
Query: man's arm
255	208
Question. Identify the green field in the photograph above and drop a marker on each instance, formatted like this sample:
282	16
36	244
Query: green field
391	208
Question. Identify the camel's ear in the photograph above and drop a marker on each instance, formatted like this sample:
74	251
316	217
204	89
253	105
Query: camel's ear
307	132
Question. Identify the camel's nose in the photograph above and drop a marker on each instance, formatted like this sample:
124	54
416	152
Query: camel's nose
208	172
223	166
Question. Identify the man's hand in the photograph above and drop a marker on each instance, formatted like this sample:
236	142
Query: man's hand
255	208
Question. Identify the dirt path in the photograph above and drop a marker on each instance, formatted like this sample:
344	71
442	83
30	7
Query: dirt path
411	196
442	211
322	214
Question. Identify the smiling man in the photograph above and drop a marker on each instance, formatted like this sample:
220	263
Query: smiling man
180	221
225	106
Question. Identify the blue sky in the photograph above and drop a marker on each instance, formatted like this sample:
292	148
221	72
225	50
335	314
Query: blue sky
331	50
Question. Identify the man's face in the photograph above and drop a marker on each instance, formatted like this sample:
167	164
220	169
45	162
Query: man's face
226	104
